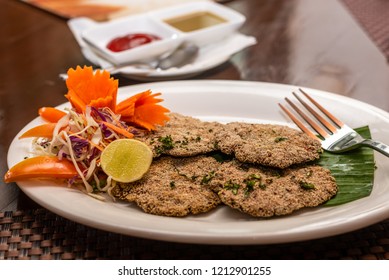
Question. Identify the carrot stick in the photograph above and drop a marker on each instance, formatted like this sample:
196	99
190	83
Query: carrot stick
119	130
51	114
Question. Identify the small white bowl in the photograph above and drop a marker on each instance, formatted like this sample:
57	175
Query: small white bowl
157	23
101	34
225	21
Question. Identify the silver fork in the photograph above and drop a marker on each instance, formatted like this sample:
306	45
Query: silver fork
337	136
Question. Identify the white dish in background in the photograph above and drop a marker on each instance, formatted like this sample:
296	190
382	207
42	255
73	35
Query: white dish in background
100	34
225	101
209	56
231	21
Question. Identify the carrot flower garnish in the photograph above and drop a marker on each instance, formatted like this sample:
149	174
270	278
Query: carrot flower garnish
142	110
89	88
99	90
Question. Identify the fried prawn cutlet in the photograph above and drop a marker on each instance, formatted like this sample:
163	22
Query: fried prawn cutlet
182	136
269	175
183	186
173	187
267	144
267	192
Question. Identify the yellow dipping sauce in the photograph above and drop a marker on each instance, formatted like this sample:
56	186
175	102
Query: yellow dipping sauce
194	21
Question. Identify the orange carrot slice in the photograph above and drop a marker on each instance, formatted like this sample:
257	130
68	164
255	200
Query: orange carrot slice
51	114
119	130
40	167
45	130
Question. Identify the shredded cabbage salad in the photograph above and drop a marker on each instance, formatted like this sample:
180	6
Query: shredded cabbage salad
80	138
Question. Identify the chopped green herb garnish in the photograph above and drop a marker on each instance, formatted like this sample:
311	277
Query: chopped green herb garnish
194	177
249	188
251	180
167	144
250	184
232	186
208	177
307	186
280	138
255	176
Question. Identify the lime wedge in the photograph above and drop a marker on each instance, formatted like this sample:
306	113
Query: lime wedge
126	160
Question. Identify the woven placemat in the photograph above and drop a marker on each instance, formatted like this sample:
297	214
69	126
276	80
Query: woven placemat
40	234
373	16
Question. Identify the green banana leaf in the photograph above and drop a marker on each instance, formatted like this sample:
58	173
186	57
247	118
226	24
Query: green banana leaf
353	172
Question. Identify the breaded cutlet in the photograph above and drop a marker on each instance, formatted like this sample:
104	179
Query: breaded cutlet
267	144
182	136
267	192
173	187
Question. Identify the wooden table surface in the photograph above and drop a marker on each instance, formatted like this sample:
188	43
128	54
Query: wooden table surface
317	44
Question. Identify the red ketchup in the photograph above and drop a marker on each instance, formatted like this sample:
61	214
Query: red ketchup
131	41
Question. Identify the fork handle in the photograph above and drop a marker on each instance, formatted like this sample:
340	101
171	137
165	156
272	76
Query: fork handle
377	145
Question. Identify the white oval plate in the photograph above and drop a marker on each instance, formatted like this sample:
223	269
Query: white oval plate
225	101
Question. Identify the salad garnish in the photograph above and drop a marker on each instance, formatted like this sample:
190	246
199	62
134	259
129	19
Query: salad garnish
69	144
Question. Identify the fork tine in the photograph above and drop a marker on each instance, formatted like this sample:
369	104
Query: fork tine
299	123
321	108
311	122
323	121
